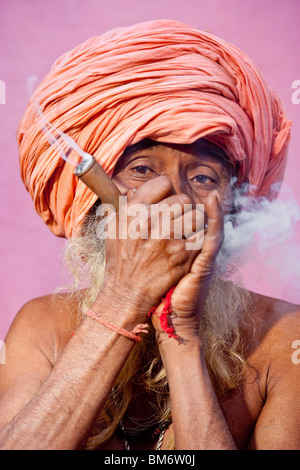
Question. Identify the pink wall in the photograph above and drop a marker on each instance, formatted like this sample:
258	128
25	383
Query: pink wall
33	33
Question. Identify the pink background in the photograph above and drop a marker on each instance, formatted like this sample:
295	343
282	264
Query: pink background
33	33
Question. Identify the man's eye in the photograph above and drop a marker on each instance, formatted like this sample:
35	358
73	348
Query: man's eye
142	169
203	179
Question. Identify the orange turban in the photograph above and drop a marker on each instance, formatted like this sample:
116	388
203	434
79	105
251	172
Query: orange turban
162	80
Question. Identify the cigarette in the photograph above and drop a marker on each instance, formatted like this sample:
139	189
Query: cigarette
95	178
88	170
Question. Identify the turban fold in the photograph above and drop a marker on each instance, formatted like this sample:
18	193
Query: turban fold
161	80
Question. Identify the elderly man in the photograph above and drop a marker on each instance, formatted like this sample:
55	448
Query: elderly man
172	114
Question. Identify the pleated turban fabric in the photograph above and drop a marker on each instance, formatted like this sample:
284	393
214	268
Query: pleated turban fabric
161	80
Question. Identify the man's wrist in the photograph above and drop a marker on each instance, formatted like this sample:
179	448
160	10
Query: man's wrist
181	348
119	308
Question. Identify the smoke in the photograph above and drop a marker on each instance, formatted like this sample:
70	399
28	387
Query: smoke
67	149
261	239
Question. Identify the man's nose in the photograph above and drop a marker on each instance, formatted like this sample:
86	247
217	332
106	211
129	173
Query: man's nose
181	185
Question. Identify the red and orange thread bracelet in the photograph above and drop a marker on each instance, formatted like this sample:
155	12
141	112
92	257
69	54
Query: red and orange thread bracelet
142	328
163	316
134	334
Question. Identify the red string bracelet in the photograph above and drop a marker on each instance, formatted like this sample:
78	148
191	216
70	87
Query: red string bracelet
134	334
163	316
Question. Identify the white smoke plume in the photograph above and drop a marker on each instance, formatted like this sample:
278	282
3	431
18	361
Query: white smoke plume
261	239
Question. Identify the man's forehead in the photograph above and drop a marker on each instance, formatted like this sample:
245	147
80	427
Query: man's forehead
201	146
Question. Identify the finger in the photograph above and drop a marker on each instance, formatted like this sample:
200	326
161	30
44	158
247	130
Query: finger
195	241
168	217
162	211
214	236
215	223
152	192
193	221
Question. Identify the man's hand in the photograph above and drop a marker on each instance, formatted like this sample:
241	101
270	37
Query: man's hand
188	298
139	271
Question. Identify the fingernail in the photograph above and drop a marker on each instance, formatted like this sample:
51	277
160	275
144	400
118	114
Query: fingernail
217	195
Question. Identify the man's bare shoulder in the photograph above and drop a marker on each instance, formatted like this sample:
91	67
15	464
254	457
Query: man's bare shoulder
47	322
277	324
275	366
56	309
276	316
34	342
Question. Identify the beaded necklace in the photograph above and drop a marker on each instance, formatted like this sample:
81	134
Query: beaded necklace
156	431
